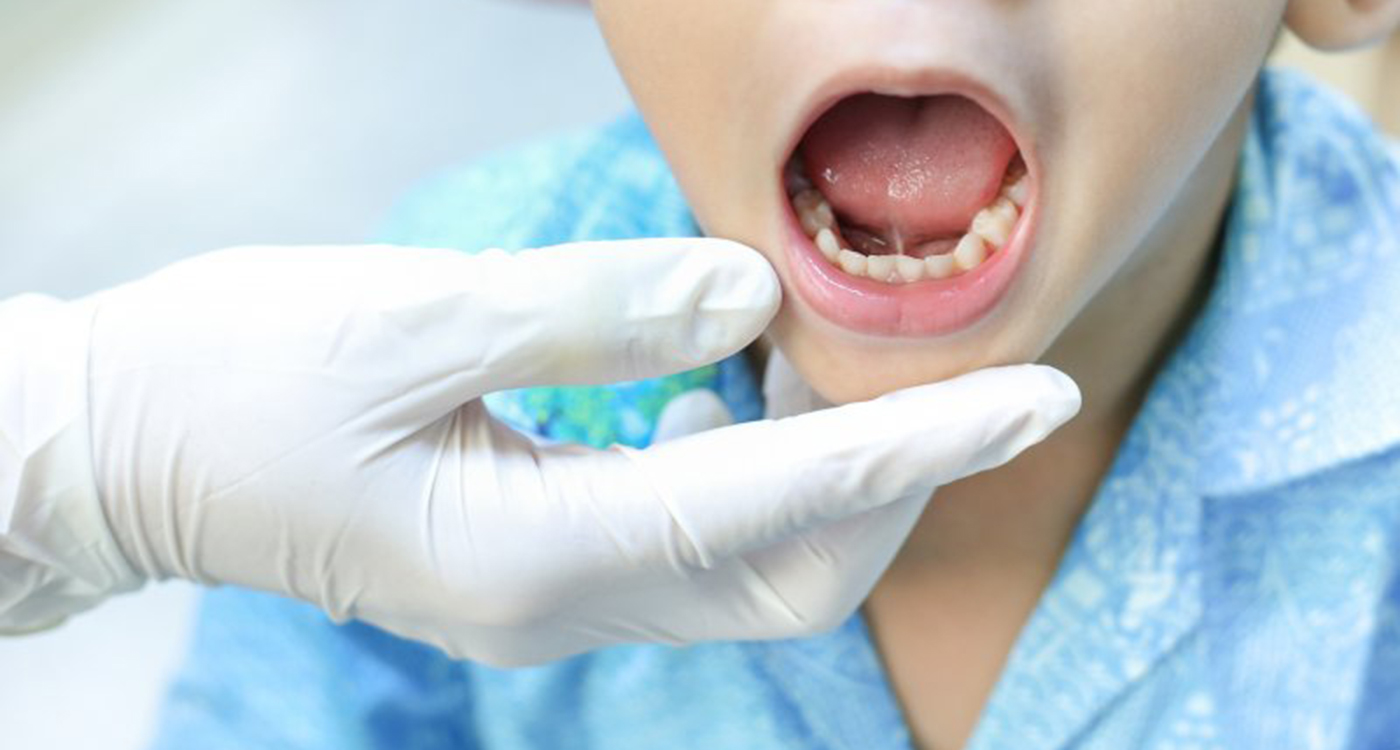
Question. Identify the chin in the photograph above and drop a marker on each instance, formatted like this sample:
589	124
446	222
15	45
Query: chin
843	369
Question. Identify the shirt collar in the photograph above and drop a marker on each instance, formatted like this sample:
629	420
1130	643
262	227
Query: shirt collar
1296	346
1126	591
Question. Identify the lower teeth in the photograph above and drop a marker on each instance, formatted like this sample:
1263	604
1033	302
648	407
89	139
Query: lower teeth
990	231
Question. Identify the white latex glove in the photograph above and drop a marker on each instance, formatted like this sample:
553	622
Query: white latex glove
854	551
307	421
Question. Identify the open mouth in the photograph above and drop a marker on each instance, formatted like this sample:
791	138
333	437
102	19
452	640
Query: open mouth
909	214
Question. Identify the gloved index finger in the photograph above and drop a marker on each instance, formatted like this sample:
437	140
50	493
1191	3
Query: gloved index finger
601	312
748	486
449	326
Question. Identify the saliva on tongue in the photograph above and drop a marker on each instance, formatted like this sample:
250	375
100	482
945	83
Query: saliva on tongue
906	175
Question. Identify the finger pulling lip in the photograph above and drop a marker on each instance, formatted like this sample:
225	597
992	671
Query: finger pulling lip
848	297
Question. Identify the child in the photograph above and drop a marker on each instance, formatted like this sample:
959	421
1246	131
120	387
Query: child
1205	558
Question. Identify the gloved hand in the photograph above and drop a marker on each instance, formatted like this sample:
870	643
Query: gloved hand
307	421
854	551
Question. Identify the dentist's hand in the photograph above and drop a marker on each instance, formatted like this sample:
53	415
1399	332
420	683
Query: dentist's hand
308	421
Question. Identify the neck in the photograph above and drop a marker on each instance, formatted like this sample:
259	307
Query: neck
1120	341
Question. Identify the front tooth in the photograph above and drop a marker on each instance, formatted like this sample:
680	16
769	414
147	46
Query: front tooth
909	268
1019	191
851	262
970	252
994	222
828	245
939	266
879	267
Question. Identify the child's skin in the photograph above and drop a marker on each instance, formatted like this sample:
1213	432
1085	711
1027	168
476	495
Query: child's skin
1135	113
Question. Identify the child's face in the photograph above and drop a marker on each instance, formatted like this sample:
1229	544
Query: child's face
1111	106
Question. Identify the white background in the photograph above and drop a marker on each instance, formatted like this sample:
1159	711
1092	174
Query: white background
134	132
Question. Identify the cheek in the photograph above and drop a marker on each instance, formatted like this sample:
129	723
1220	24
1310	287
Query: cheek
660	50
690	66
1139	108
1133	111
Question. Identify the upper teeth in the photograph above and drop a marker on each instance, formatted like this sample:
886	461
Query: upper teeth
990	231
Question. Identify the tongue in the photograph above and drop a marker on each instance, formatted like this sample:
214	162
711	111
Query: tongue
908	169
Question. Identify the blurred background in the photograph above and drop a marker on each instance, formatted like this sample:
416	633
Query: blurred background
1370	76
136	132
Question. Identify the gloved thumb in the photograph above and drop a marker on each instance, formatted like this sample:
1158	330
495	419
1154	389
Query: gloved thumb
744	487
434	329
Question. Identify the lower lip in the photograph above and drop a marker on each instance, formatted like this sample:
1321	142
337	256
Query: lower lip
923	308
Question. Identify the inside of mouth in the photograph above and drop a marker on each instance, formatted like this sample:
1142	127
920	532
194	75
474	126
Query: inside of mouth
904	189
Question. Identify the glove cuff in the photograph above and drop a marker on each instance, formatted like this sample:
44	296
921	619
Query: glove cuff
57	552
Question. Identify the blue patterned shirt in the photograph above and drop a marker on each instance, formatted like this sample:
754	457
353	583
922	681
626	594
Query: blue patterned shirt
1234	583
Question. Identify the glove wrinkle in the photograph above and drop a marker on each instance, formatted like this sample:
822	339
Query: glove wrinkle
682	548
58	554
